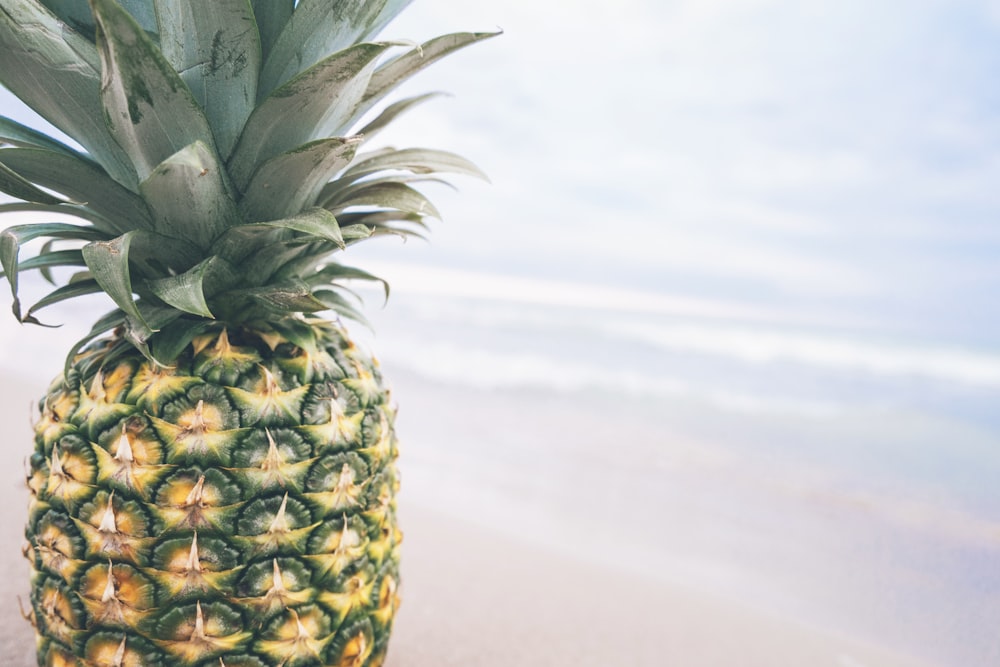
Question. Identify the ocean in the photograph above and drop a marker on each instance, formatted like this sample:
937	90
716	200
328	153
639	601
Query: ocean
815	470
835	474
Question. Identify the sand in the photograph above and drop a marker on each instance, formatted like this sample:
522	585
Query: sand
474	597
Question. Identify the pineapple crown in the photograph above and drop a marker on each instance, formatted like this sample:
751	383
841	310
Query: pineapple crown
223	164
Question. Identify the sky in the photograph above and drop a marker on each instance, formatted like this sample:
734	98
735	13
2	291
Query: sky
835	157
830	159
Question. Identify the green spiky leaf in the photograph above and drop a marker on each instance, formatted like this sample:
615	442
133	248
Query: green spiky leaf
216	49
319	99
83	182
389	194
148	107
108	261
393	73
414	160
393	111
284	297
16	185
186	291
16	134
12	238
57	73
289	182
271	17
188	196
64	293
319	28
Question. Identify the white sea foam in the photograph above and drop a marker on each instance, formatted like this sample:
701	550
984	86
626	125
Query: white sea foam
416	279
725	330
489	369
762	346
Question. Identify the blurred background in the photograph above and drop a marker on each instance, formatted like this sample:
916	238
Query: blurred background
727	315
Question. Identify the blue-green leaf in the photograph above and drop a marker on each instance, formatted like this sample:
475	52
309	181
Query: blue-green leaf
64	293
335	272
84	182
287	183
12	238
16	134
319	28
148	106
414	160
319	100
292	296
57	73
391	74
60	209
386	195
391	112
317	223
186	291
216	49
15	185
108	262
108	322
188	196
271	17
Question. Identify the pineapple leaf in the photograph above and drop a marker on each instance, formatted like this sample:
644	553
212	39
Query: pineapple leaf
108	322
414	160
391	112
344	187
318	28
148	107
57	73
286	297
15	134
391	74
319	99
352	233
172	338
279	247
152	317
338	304
387	195
337	272
188	196
46	271
76	13
108	262
52	258
12	238
70	291
186	291
287	183
271	17
216	49
16	185
268	262
314	223
119	208
59	209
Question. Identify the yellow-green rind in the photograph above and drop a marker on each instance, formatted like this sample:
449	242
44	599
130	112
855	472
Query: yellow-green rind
235	509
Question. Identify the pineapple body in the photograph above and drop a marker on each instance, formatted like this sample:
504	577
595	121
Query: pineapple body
236	508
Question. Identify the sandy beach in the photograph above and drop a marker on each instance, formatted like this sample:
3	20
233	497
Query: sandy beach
474	596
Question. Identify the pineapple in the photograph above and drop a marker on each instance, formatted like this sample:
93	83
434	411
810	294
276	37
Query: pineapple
213	479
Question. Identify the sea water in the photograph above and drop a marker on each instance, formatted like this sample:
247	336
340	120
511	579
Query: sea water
812	469
845	477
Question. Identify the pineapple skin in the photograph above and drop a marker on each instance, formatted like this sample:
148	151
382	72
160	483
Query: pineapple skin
236	508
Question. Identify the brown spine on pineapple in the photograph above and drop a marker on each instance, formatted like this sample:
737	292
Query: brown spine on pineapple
236	509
